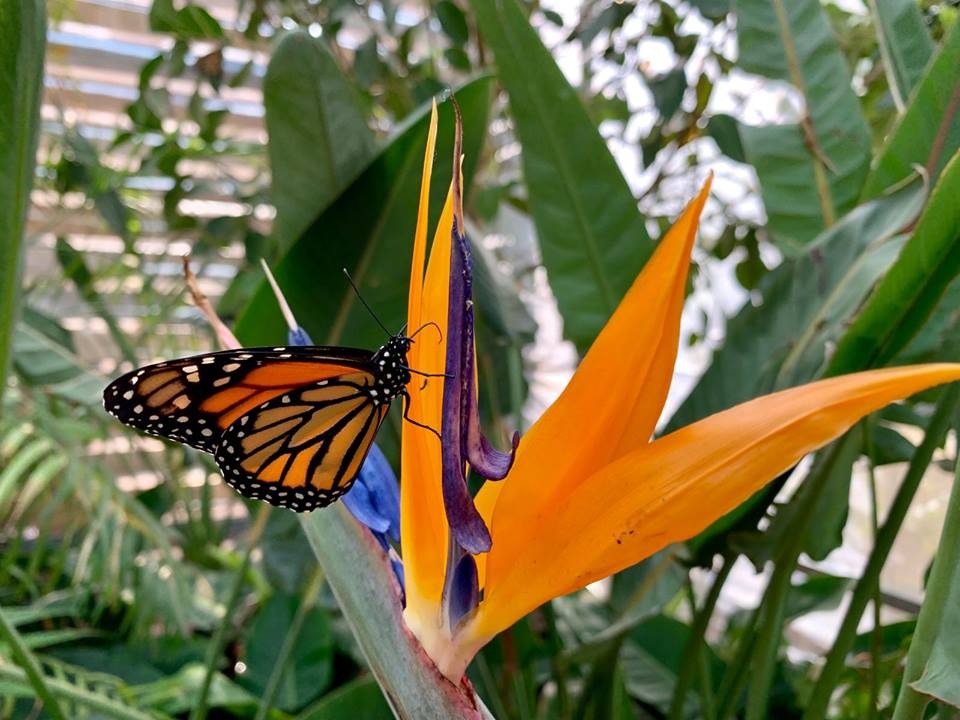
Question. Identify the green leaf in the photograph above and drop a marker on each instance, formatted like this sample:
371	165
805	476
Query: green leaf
820	592
319	139
792	41
452	21
22	43
726	133
712	9
905	44
309	668
928	133
24	657
668	92
806	303
912	288
42	361
592	237
190	22
179	692
77	695
368	230
360	698
651	658
933	663
75	268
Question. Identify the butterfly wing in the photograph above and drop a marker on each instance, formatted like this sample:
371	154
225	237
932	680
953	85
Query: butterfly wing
304	448
193	400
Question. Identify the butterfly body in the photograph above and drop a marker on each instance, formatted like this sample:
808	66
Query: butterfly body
288	425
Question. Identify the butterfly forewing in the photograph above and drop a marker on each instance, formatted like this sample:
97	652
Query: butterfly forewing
193	400
302	449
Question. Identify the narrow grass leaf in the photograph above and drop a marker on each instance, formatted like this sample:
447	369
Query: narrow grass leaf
22	45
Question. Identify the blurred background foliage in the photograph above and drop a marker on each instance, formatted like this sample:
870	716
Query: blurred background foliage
134	585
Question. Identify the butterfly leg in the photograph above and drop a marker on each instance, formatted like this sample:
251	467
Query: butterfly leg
406	416
426	374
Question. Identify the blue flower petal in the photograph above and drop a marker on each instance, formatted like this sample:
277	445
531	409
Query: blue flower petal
298	336
464	589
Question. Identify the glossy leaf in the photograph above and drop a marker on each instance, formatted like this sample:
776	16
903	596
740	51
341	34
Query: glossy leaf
357	699
319	139
42	359
309	668
941	675
928	134
792	41
934	650
368	230
914	285
905	44
592	237
22	44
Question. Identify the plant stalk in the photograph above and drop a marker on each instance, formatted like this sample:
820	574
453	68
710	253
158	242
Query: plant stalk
911	703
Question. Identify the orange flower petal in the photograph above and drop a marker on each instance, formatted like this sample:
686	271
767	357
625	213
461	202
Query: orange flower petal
423	529
612	403
673	488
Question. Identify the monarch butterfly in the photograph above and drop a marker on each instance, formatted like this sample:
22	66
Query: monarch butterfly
289	425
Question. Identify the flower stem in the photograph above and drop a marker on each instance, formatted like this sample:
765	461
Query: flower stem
833	667
876	636
772	610
366	589
215	646
693	650
911	703
307	603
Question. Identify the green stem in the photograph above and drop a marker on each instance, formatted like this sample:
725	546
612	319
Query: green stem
363	583
773	606
735	678
833	667
31	667
692	651
290	642
911	704
876	637
216	644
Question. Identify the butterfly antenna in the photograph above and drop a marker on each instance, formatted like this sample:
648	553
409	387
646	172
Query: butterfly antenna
425	326
369	309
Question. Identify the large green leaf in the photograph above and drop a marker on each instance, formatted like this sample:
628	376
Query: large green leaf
42	358
807	179
934	650
368	230
651	659
905	44
592	236
928	134
911	290
23	35
309	668
806	303
319	139
360	698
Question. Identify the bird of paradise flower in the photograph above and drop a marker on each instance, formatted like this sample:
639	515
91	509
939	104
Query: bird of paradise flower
588	492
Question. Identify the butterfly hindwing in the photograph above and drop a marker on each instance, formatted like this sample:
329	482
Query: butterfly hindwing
193	400
303	448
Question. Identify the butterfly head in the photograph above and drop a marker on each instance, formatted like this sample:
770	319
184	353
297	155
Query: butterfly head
390	363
